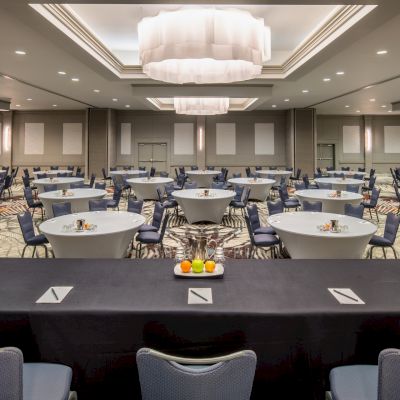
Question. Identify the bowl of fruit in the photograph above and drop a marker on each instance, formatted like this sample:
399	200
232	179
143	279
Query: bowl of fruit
198	269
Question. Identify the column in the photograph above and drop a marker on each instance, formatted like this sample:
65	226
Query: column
368	142
201	142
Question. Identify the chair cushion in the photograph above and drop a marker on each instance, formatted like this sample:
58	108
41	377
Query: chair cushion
147	228
170	203
354	382
148	237
237	204
292	203
265	240
37	240
42	381
111	204
380	241
367	205
264	230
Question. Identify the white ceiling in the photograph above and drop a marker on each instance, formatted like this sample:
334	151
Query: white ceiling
49	51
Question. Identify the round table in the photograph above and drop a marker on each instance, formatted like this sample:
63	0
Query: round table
62	183
302	238
203	178
110	239
347	174
54	172
198	207
259	188
146	189
276	174
129	173
339	183
330	202
79	199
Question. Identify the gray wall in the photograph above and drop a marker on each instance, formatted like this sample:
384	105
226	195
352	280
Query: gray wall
53	138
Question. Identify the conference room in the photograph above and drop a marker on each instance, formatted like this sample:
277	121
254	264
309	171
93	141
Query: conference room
199	200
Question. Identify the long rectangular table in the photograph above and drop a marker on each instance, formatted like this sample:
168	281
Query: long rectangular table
279	308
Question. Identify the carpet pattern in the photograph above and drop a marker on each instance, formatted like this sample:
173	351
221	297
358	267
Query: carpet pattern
231	234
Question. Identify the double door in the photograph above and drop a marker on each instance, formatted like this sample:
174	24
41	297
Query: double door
326	155
153	155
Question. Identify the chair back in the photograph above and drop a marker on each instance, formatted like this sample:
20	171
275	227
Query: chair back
254	218
298	173
164	174
135	206
319	170
169	189
54	167
396	190
26	181
152	171
391	227
374	197
166	377
248	172
62	174
103	170
29	196
51	187
7	181
360	177
41	176
210	168
70	167
159	195
315	206
114	168
78	170
164	226
359	169
217	185
191	185
77	185
143	174
117	195
352	188
300	186
356	211
158	214
371	172
345	168
245	195
289	169
26	172
182	170
238	192
388	374
142	168
330	168
36	169
324	185
283	193
275	207
306	181
237	175
60	209
194	168
181	180
98	205
335	175
26	224
258	168
272	167
371	183
100	185
11	373
92	179
79	175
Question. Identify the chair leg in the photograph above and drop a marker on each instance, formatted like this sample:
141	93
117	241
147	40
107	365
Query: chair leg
384	252
394	252
46	253
370	213
376	212
162	250
23	251
34	251
370	251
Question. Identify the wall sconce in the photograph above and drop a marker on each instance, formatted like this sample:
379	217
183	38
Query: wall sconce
369	140
6	139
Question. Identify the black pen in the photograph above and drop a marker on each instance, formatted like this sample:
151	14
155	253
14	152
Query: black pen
55	294
199	295
345	295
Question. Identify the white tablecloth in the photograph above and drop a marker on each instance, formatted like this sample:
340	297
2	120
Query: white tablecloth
111	238
130	173
203	178
53	172
259	188
198	207
62	183
329	204
339	183
276	174
302	238
146	189
79	199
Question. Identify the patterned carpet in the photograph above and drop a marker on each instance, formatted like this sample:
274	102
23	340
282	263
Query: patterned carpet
231	234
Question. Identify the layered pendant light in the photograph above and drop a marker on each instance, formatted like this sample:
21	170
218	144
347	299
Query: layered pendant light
201	105
203	46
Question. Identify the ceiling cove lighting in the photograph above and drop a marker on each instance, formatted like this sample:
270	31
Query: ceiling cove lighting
203	46
201	105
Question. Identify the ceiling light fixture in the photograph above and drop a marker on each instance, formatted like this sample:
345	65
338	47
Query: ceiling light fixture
18	105
358	111
29	99
340	73
347	106
390	111
75	79
286	100
20	52
381	52
372	100
54	105
61	73
383	106
201	105
114	100
326	79
368	87
127	106
96	90
273	106
305	91
203	46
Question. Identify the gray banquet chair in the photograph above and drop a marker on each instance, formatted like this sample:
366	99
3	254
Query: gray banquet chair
356	211
165	377
315	206
368	382
60	209
32	381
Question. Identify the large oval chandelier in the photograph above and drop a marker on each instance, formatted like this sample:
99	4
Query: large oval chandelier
201	105
203	46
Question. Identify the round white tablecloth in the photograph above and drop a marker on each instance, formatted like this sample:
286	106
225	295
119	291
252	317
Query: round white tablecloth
339	183
62	183
111	238
302	238
330	204
79	199
276	174
198	207
53	172
203	178
130	173
347	174
259	188
146	189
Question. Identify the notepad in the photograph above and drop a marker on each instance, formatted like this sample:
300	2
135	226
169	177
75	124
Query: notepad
345	296
54	294
200	296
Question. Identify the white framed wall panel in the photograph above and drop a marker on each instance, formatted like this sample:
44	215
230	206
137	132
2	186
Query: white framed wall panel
72	138
126	138
351	139
225	138
391	139
34	138
264	139
183	139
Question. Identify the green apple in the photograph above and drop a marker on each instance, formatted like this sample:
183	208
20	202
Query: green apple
197	266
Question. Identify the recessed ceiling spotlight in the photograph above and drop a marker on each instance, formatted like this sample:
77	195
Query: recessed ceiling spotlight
358	111
305	90
347	106
127	106
383	105
372	100
381	52
54	105
368	87
20	52
96	90
18	105
340	73
389	110
273	106
8	77
29	99
326	79
114	99
286	100
75	79
61	73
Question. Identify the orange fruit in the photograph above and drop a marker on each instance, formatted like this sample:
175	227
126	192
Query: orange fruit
210	266
186	266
